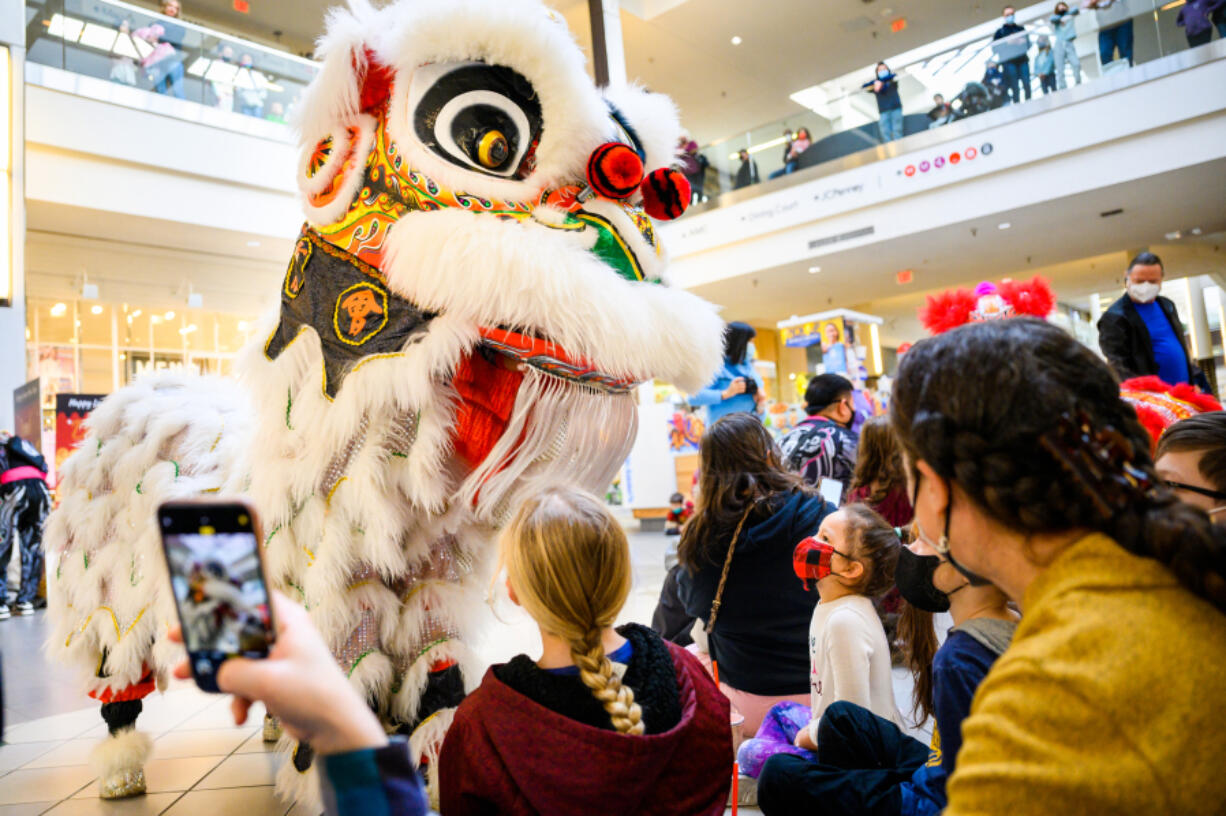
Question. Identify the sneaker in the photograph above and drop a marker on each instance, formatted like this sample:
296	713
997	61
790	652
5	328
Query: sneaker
25	608
4	612
746	791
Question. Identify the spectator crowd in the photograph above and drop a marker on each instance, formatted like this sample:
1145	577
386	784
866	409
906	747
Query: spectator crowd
1019	56
1011	489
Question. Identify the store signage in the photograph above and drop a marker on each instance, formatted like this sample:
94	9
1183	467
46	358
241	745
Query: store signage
139	365
826	197
26	422
70	413
952	158
826	332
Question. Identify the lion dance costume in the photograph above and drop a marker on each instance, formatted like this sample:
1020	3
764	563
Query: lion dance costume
474	296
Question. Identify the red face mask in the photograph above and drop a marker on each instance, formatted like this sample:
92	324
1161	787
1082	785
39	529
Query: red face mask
811	561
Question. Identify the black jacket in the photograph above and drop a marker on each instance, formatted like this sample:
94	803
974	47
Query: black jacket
746	174
1124	339
761	637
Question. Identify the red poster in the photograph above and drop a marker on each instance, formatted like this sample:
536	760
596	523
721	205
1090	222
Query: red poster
70	413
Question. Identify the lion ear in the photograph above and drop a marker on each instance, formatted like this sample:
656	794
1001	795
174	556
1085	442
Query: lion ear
337	113
331	169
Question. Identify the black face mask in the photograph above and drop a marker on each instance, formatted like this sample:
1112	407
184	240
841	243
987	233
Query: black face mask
913	577
975	578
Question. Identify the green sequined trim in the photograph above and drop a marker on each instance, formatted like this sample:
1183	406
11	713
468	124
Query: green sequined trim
289	406
400	455
356	662
425	649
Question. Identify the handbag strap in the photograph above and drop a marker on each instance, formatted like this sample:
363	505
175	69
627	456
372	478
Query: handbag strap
723	577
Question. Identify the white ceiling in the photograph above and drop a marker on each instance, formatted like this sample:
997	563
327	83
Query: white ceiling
686	51
1065	239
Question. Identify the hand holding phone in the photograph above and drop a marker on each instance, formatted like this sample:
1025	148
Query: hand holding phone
302	685
213	556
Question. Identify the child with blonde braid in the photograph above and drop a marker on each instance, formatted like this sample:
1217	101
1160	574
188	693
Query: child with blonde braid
612	719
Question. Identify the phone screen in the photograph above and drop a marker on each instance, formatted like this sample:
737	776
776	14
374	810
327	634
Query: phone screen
212	553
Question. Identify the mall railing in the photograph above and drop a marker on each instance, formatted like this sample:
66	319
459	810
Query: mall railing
842	118
132	47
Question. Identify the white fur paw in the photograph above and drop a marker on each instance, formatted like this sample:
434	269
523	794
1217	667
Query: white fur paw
119	761
272	728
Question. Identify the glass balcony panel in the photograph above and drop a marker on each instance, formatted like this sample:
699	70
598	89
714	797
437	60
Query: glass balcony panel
143	50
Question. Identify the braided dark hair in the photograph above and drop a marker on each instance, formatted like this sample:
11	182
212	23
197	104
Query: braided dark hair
974	402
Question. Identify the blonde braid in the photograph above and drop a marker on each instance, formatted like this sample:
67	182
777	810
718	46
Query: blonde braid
596	671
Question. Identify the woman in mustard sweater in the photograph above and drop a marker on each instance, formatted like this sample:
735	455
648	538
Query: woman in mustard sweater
1031	473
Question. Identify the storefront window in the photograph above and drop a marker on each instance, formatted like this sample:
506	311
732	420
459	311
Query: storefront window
90	347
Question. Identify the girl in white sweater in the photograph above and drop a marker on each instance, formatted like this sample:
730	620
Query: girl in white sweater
850	561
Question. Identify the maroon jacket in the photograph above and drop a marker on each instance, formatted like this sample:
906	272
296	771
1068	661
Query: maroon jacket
506	754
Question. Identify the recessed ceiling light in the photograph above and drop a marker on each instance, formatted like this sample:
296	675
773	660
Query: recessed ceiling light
95	309
1196	230
59	309
169	315
737	41
1003	225
813	270
1174	236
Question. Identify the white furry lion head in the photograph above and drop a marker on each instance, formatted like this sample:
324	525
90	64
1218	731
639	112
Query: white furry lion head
451	146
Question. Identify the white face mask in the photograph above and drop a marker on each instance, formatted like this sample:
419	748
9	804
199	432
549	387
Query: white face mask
1144	292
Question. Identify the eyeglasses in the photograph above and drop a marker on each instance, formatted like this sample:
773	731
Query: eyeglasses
1203	491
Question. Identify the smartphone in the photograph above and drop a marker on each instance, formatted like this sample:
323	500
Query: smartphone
213	555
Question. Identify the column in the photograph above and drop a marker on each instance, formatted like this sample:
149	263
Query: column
1198	332
608	50
12	207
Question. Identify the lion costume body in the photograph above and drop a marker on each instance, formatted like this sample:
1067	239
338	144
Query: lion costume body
462	322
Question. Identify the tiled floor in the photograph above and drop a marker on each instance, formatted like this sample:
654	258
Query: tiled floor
202	763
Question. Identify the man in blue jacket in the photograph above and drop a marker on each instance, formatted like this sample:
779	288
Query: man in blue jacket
1141	334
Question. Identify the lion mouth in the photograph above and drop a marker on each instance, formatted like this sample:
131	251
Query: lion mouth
534	350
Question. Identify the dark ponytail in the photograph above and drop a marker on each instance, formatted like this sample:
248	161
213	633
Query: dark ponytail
918	634
975	403
876	546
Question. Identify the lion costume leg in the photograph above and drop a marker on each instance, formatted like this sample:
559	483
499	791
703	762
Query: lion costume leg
109	600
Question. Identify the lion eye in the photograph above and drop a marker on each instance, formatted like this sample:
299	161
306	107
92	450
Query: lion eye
493	150
483	117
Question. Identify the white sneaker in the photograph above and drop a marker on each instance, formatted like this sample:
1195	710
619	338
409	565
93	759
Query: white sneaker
25	608
4	612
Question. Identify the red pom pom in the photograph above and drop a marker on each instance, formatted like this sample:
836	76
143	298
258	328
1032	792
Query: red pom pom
614	170
1034	297
666	194
948	310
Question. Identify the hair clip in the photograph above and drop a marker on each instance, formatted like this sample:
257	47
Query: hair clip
1100	460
